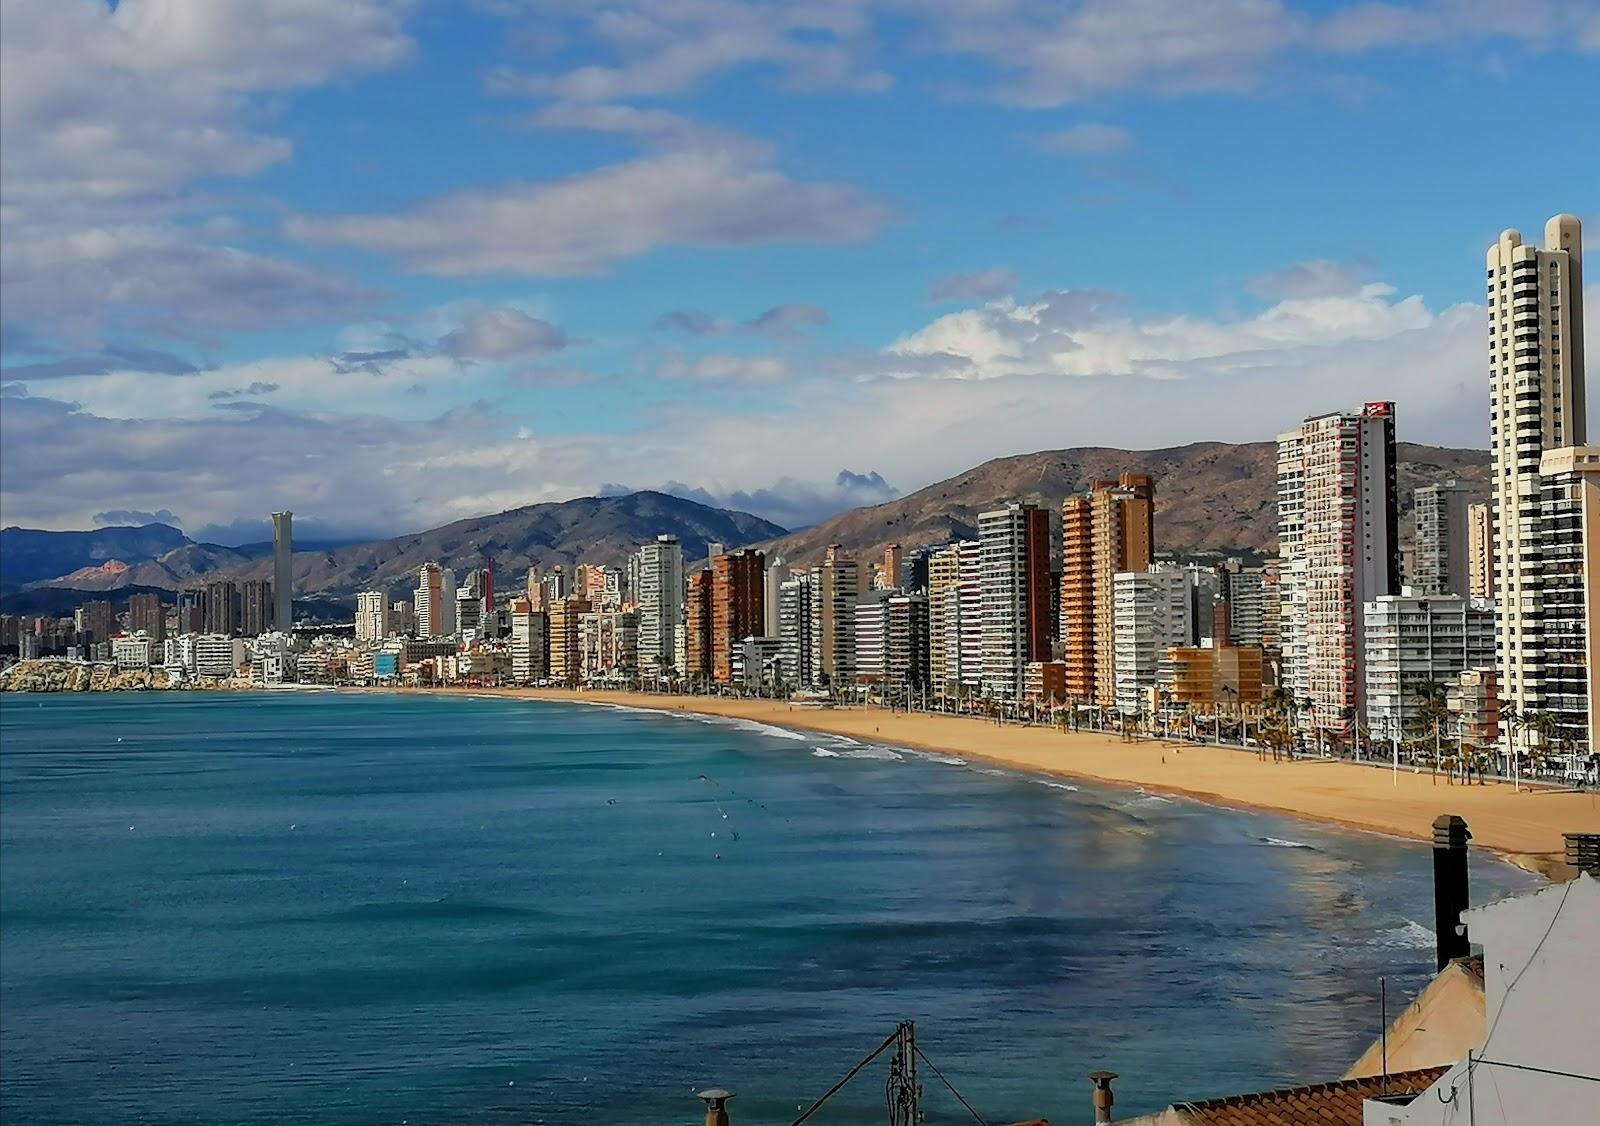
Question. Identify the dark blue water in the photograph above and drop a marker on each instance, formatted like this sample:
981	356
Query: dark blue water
377	909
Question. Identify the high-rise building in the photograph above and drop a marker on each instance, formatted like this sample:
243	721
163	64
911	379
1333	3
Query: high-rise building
222	608
148	616
1536	404
1569	520
372	615
1108	530
891	567
95	623
191	611
797	627
1338	534
955	616
256	607
1153	611
697	626
1441	524
738	588
283	570
840	582
1412	638
777	574
1480	552
1015	545
656	581
529	642
610	642
1245	591
872	636
905	664
566	640
435	601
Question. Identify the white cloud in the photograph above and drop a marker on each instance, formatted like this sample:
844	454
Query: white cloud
666	47
132	102
1062	334
500	334
586	222
109	114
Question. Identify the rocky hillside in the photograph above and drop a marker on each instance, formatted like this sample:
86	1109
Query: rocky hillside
1210	496
591	529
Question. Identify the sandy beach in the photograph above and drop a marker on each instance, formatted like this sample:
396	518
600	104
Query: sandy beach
1527	826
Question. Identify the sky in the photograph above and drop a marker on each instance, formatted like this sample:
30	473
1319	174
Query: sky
389	263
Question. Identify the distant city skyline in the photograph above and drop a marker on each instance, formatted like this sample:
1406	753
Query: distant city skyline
392	265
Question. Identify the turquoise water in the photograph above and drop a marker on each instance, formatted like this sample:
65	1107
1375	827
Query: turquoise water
375	909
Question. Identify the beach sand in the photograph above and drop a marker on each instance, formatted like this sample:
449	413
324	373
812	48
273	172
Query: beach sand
1526	825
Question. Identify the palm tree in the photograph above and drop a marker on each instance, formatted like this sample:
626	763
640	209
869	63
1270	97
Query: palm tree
1432	712
1545	729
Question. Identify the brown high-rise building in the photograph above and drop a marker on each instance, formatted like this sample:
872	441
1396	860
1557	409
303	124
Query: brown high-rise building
1107	530
891	567
222	607
95	623
147	615
566	640
738	601
256	608
697	626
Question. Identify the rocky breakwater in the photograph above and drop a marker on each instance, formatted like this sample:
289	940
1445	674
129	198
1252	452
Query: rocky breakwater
75	676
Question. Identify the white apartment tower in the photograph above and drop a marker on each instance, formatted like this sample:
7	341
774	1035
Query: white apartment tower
1338	535
955	616
1151	612
657	583
435	601
372	615
1536	405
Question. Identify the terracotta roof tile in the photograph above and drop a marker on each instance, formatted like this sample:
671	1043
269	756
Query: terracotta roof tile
1325	1104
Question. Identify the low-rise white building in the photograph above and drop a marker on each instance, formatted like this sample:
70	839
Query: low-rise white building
131	652
218	655
1536	1061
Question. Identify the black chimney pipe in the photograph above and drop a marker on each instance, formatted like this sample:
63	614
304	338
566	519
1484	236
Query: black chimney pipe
1450	837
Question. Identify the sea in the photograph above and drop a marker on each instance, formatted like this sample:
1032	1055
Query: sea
297	907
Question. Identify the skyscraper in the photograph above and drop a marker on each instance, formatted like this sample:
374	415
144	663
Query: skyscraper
283	570
1570	537
797	626
566	639
737	606
777	574
529	642
656	580
1107	530
1015	542
147	615
256	608
1536	404
372	615
840	582
435	601
1339	537
222	607
1480	552
697	626
1441	525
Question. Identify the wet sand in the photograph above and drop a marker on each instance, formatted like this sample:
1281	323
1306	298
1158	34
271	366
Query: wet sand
1527	826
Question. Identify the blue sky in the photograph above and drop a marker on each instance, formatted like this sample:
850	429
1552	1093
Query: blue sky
389	264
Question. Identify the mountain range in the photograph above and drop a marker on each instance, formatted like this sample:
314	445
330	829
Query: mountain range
1212	498
595	529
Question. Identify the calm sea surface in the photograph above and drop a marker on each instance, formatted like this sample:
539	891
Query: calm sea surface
376	909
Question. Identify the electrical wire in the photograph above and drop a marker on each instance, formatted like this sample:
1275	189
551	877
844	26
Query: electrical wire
849	1075
950	1085
1506	996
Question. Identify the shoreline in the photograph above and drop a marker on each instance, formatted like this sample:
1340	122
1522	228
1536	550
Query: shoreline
1525	827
